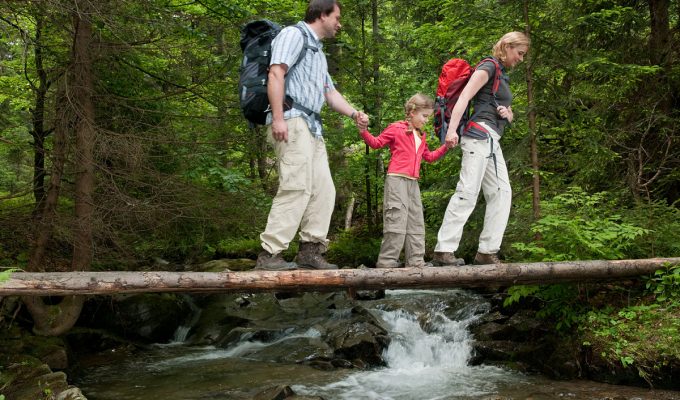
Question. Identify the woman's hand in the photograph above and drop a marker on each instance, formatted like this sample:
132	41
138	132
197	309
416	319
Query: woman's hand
505	113
451	139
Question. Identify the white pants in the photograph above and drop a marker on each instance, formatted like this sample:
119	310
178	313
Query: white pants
306	194
478	171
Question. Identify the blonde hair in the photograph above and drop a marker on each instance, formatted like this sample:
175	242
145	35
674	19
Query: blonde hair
418	102
509	40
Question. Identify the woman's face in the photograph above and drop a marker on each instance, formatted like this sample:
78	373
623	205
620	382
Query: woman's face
515	55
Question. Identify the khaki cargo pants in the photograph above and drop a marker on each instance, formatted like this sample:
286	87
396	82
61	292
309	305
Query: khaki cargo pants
306	194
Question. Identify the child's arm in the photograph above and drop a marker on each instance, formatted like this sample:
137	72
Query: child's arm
432	156
382	140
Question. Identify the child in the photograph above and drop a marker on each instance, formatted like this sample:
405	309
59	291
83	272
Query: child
403	222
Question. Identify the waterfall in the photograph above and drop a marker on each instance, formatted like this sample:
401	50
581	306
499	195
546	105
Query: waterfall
183	330
428	354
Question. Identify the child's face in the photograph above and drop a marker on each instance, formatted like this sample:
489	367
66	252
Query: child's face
419	118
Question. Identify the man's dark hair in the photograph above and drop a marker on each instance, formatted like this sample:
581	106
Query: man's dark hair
317	8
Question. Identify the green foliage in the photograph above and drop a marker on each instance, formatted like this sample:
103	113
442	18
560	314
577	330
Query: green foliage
237	247
579	226
6	274
354	248
642	336
560	303
665	284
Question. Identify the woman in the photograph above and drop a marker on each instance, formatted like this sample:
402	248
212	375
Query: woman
483	164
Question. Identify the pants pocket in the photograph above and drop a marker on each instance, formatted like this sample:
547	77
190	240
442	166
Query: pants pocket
293	172
394	218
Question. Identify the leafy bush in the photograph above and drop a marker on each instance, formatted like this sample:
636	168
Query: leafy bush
354	248
665	284
579	226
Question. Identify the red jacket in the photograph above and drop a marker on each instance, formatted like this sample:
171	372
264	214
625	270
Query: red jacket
405	159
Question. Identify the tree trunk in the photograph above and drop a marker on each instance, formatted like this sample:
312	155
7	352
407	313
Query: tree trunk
85	137
59	318
377	101
493	276
39	133
536	183
47	215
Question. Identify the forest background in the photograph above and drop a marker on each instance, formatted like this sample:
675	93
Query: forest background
122	141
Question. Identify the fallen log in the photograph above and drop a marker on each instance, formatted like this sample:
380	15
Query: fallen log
110	282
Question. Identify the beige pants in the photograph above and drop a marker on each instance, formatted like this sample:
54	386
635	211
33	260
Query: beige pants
306	194
478	172
403	222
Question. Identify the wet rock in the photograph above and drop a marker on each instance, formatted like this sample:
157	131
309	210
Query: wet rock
275	393
225	264
360	340
150	318
282	392
505	350
27	378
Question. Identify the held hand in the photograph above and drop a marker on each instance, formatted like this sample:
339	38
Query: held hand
361	120
280	130
451	139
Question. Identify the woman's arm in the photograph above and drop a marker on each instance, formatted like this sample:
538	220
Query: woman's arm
478	79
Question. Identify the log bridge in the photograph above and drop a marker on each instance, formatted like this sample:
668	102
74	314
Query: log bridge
472	276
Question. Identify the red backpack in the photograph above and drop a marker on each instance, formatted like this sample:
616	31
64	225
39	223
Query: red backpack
453	78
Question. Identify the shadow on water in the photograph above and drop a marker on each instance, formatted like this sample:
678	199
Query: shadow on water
426	359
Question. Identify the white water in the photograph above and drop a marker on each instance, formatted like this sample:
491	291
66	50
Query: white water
427	360
422	363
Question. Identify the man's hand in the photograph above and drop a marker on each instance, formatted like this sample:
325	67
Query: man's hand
361	120
280	130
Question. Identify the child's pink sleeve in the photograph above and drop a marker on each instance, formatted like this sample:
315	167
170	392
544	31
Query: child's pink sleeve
432	156
376	142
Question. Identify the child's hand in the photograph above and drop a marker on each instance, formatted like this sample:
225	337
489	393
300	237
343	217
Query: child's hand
361	120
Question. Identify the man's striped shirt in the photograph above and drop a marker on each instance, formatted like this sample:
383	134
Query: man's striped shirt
309	80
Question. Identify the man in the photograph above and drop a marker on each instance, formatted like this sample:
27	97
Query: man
306	194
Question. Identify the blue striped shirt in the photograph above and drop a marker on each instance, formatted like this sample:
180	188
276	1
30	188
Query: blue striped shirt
309	80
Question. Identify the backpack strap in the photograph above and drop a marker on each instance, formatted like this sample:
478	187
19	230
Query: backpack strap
289	101
496	76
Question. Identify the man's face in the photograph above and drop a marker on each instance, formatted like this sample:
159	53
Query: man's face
331	23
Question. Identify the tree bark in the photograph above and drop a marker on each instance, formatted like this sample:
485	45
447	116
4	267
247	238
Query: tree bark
536	182
85	137
56	319
97	283
39	133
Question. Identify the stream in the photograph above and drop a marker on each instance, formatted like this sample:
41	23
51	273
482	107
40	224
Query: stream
428	358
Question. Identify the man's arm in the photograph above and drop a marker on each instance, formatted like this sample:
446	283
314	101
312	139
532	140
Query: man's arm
276	92
338	104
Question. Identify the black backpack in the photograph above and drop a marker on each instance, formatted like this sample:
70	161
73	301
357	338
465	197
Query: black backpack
256	43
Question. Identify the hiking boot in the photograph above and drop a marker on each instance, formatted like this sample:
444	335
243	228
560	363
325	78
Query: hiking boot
446	258
273	262
419	264
310	255
487	259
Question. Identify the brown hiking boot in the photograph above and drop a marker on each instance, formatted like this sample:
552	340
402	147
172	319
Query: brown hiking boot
310	255
487	259
268	262
442	258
